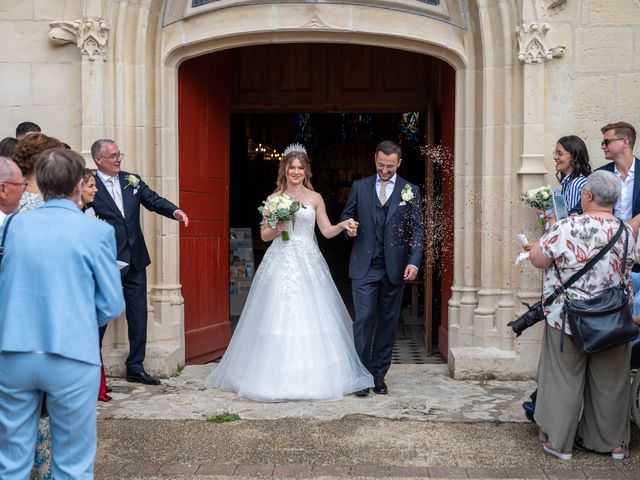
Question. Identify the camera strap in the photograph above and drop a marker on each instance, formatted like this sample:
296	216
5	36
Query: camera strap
7	221
603	251
562	288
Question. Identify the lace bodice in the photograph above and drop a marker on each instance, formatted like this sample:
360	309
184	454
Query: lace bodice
304	225
296	258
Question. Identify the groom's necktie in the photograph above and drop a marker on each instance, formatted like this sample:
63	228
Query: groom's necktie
383	191
115	193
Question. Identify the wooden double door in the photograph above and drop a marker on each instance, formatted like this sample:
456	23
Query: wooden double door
278	78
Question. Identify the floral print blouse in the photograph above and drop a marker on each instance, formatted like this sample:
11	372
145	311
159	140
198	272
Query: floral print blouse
572	242
30	201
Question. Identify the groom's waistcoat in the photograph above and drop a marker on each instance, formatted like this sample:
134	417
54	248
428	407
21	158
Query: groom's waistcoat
381	218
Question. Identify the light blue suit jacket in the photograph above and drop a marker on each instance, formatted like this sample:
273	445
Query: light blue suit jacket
59	281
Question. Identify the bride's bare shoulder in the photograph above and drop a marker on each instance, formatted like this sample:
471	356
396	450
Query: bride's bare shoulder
314	199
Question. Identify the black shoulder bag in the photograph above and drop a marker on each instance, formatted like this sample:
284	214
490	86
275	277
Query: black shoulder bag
603	321
536	311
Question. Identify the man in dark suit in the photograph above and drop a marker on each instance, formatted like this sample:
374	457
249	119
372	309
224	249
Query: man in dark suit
618	140
386	252
117	202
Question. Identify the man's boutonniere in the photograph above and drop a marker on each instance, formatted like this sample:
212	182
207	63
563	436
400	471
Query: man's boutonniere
407	194
133	182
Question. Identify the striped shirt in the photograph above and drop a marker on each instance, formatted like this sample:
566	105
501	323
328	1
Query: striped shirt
571	188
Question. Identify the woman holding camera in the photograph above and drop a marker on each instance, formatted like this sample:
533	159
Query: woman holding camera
569	382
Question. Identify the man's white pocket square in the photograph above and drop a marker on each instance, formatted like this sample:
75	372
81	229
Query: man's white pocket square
402	203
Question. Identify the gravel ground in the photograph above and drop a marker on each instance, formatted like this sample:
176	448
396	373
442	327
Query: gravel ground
353	440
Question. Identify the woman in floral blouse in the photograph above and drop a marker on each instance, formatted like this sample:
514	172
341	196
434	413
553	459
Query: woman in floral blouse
25	155
584	399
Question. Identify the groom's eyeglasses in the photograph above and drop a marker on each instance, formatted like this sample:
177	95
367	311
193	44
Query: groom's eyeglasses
384	166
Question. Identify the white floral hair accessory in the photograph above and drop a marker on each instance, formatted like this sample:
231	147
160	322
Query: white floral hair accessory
294	147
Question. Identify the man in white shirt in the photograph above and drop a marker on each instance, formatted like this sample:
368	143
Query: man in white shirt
11	187
617	144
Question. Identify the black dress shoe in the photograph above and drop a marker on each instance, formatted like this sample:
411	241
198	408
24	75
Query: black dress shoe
142	377
362	393
379	386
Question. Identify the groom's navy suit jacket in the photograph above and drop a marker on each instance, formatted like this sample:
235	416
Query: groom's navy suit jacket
132	248
403	230
635	206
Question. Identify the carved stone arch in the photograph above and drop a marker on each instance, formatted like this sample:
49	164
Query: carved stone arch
136	102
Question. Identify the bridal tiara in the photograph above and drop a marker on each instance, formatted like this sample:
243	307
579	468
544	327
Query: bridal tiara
294	147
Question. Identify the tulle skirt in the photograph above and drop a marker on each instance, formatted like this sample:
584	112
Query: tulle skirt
294	339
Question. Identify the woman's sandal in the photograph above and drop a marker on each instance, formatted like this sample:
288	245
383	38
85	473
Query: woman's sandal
618	453
549	449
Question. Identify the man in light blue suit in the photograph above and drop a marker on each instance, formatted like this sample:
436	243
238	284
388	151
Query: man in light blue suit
59	282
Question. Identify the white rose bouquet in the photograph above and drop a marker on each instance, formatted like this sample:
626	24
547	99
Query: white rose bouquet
132	181
539	199
279	208
406	193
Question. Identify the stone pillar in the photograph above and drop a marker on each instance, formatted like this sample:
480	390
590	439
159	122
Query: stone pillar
483	346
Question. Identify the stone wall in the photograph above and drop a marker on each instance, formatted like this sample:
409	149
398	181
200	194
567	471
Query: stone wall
599	80
39	81
509	113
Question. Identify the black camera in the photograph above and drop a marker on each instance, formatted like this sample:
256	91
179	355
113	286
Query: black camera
529	318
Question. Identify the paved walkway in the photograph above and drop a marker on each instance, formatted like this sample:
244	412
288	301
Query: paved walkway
429	426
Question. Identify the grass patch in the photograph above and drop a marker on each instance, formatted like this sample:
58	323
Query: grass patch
223	418
178	371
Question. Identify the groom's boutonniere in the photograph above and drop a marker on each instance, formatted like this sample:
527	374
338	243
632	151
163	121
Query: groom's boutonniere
133	182
407	194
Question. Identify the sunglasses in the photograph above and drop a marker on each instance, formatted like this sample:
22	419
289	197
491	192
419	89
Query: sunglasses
607	141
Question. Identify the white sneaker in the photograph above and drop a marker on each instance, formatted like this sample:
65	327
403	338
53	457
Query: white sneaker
562	456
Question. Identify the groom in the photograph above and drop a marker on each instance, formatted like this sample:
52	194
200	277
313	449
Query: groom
386	252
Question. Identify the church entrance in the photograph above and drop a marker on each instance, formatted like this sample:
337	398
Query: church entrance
240	108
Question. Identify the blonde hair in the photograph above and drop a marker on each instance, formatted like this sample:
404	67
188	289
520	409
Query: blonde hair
285	164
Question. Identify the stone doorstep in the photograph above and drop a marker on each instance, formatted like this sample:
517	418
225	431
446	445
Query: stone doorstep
356	471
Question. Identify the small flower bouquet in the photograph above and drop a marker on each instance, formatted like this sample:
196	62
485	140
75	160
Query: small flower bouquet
406	194
132	181
279	208
539	199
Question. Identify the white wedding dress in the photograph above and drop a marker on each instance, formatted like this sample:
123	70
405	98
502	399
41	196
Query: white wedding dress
294	340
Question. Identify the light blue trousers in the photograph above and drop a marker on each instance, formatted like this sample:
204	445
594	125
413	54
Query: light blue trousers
72	391
635	280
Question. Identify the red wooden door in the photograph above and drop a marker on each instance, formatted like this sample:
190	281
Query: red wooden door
204	92
447	128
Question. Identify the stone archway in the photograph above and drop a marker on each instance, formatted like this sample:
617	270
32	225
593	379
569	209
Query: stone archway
498	142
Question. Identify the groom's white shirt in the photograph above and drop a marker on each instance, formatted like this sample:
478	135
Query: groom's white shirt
390	184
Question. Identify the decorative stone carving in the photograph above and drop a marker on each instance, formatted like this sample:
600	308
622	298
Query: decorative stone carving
532	45
551	4
316	22
90	35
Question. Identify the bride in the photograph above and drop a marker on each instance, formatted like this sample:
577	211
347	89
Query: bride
294	340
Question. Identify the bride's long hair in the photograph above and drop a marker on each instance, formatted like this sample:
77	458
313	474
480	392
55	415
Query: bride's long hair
285	163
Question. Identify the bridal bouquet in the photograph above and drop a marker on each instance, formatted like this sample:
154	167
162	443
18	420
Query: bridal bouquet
539	199
280	208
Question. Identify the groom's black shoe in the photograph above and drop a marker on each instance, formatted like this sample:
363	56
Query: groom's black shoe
379	386
362	393
142	377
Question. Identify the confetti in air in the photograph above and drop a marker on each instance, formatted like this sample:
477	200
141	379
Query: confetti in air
438	221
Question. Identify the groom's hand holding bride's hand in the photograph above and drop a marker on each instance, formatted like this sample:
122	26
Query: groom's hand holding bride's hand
351	226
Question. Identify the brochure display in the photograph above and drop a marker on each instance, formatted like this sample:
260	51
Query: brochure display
241	268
